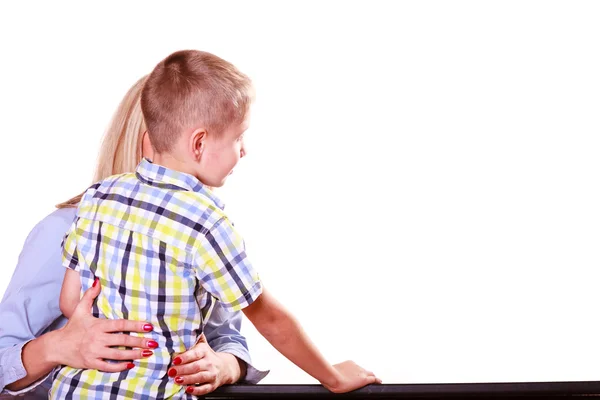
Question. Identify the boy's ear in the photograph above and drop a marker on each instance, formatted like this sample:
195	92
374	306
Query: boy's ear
198	141
147	149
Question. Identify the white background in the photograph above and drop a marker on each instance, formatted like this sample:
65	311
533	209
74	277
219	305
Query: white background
421	188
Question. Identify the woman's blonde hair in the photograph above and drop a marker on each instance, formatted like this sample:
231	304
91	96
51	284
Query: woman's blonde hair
121	148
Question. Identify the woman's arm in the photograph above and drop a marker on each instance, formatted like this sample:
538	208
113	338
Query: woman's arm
30	304
220	356
223	333
83	342
30	345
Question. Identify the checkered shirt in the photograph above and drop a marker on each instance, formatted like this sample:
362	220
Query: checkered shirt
164	252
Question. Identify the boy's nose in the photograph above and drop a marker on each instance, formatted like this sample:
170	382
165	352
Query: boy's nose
243	152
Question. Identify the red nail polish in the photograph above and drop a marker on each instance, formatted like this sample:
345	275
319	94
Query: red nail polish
172	373
148	327
177	360
130	365
189	389
95	282
147	353
179	380
152	344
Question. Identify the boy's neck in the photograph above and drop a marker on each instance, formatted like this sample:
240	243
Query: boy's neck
172	162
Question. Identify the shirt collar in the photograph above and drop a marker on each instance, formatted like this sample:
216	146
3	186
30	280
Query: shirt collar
165	178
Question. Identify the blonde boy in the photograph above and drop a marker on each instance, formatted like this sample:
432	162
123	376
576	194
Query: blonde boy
161	246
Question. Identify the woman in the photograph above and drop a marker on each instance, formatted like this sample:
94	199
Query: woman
38	338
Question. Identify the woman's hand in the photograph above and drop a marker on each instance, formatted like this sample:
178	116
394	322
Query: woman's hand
203	367
83	343
85	340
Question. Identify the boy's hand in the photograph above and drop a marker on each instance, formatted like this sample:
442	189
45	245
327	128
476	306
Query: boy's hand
351	377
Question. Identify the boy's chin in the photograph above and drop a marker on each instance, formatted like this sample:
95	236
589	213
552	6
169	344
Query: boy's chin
220	184
226	177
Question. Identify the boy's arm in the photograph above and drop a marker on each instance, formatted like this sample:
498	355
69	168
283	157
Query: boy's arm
284	332
226	273
71	287
69	294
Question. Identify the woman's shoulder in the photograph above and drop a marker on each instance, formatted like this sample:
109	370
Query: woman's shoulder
54	224
59	218
65	215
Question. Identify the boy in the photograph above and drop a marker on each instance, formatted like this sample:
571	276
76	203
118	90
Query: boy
161	246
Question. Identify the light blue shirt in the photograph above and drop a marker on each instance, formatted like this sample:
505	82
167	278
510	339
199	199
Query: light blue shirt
30	307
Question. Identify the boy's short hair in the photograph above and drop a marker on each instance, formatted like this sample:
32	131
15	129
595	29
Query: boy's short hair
192	88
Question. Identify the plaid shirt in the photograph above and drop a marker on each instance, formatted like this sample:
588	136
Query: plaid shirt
164	251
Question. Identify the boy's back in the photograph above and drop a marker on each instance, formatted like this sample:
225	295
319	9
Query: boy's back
161	245
163	251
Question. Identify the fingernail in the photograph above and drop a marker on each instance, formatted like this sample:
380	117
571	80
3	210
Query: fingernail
130	365
148	327
177	360
147	353
189	389
179	380
172	373
152	344
95	282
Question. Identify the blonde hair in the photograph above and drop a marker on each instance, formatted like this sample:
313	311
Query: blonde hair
121	148
189	88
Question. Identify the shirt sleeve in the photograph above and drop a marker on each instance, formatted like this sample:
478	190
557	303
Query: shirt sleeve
11	357
70	257
223	335
224	269
30	306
